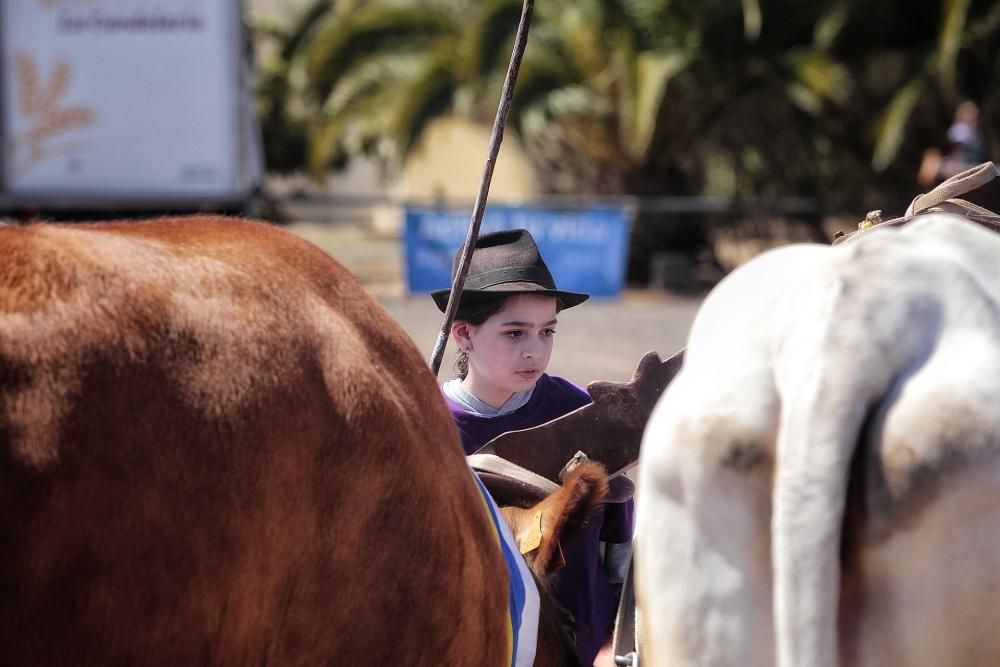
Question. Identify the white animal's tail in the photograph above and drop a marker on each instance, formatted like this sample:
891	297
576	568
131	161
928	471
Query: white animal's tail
809	498
830	379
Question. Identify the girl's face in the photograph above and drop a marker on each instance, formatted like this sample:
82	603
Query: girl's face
510	350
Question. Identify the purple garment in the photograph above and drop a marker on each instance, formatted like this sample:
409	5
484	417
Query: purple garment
581	586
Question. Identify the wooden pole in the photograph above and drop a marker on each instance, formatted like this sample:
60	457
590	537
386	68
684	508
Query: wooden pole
454	298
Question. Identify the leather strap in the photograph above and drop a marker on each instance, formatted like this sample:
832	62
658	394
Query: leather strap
963	184
973	193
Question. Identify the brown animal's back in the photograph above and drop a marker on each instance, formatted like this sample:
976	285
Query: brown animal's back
214	447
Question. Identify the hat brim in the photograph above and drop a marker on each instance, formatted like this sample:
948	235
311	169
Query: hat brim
474	296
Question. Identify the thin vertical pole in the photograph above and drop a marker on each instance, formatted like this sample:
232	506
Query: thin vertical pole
496	138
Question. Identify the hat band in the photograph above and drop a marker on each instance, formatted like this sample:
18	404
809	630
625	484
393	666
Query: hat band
512	275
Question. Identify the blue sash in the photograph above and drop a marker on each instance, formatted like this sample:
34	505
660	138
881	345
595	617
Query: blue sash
522	623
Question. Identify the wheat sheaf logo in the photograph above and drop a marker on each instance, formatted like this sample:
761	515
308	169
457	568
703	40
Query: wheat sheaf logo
46	115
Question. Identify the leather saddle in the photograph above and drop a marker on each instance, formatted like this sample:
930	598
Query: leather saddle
522	467
973	193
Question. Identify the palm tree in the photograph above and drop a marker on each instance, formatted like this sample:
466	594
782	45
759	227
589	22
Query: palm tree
760	98
374	75
909	65
283	119
614	96
659	80
928	65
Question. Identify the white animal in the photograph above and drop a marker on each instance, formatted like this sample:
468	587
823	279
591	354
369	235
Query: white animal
820	485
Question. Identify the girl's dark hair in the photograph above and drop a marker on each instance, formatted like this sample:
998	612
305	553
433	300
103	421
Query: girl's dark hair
475	314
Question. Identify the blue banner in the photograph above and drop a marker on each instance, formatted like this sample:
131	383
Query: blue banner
585	248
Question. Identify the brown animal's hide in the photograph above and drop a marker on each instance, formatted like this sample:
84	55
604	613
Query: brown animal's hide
540	529
215	448
608	430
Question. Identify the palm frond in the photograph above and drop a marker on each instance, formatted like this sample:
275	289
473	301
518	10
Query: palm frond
427	95
653	71
891	126
269	27
343	41
651	18
304	26
386	71
582	38
544	70
572	101
955	13
486	43
816	77
982	28
348	134
829	25
358	110
752	19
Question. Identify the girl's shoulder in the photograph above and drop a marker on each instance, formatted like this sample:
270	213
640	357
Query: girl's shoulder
561	389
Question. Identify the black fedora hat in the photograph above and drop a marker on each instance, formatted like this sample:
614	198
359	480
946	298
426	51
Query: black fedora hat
503	264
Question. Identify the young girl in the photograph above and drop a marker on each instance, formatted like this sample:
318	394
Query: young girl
504	331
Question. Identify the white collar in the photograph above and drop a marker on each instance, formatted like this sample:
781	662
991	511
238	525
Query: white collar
456	391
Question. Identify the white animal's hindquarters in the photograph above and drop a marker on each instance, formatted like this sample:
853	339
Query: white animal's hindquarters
884	352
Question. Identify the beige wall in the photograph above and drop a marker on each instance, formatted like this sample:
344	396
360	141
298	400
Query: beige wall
449	163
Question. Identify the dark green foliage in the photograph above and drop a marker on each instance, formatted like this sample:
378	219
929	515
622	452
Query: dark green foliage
832	100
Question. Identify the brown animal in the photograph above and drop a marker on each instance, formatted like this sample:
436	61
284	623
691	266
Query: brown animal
215	448
562	513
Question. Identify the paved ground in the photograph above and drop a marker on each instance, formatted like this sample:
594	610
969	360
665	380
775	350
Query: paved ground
599	340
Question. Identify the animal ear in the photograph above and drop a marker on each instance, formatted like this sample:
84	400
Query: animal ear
539	530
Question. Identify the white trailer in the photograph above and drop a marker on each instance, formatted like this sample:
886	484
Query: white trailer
126	105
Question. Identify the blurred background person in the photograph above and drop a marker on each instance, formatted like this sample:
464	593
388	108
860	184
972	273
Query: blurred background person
967	148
